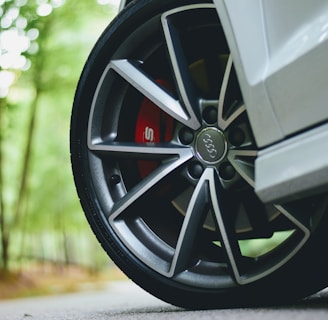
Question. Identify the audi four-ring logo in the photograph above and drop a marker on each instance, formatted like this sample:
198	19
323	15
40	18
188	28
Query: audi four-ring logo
209	145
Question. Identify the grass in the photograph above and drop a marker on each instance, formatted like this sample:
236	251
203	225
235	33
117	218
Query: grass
48	280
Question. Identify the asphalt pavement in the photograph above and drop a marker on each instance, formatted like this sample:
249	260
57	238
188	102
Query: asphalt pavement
124	300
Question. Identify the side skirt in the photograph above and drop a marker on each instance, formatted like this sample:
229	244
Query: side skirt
294	168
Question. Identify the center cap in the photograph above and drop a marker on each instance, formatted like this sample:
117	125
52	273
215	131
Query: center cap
211	145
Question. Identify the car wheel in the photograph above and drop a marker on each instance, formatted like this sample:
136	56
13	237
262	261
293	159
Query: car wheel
163	158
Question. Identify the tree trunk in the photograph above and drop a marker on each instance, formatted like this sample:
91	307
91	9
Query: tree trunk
4	265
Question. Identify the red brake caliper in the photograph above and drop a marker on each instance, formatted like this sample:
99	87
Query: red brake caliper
153	126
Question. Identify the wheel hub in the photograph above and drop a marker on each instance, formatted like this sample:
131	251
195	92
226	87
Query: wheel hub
211	145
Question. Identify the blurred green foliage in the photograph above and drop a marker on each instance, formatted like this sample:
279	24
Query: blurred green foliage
43	47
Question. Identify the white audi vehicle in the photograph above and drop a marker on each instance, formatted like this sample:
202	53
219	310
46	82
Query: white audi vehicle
199	147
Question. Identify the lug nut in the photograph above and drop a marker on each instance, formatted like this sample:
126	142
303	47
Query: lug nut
195	170
186	136
236	136
227	171
210	115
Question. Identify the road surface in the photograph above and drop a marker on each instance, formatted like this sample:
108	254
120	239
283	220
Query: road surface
123	300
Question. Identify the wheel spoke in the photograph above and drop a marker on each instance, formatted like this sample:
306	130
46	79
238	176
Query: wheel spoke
243	162
223	121
181	69
300	220
224	86
223	212
193	221
140	151
223	216
178	156
130	71
241	109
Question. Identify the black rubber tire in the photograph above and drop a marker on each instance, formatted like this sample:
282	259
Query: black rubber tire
304	274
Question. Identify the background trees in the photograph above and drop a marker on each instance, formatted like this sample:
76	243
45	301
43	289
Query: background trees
43	46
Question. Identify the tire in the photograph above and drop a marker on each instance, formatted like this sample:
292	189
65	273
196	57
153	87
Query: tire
163	159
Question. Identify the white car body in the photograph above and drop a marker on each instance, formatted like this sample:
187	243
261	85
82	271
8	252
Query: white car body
280	51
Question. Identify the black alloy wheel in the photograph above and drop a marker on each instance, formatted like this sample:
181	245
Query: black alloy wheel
163	158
